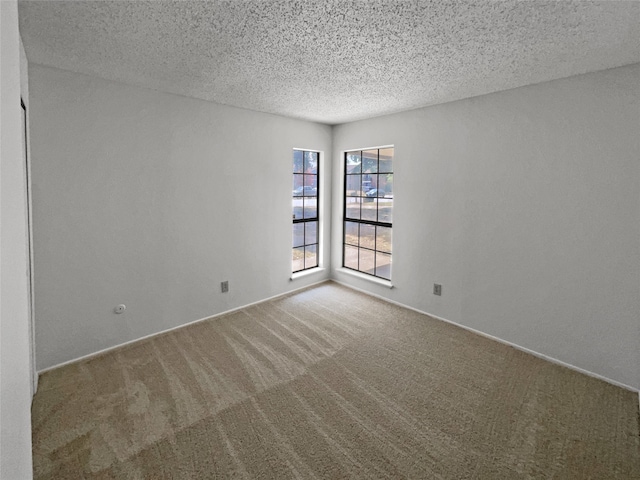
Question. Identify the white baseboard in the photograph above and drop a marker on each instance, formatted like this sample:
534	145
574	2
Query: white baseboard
161	332
505	342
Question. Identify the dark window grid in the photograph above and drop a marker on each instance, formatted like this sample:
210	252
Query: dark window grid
359	220
312	245
360	247
304	232
364	196
375	249
368	222
375	260
304	257
317	185
357	236
313	219
302	166
309	219
303	211
305	244
376	224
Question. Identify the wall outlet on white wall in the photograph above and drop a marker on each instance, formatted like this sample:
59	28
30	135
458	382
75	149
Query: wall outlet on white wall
437	289
224	286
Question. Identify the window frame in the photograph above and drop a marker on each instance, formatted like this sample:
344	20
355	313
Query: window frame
375	223
304	220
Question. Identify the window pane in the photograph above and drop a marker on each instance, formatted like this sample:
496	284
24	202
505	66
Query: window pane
297	207
311	162
383	239
369	208
385	182
385	210
354	164
298	182
298	234
298	259
351	233
310	256
370	161
368	182
310	207
367	261
351	257
368	236
381	183
368	198
311	182
353	185
305	207
386	160
297	161
383	265
353	207
310	232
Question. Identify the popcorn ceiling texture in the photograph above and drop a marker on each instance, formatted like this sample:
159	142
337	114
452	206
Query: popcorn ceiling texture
331	61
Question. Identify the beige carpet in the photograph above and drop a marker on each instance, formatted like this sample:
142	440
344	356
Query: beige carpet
329	383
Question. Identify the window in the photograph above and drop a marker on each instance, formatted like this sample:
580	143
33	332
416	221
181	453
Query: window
306	169
368	211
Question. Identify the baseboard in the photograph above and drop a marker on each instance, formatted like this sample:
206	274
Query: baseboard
505	342
162	332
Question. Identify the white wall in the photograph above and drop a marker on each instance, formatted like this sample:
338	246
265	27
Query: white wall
15	367
525	205
151	200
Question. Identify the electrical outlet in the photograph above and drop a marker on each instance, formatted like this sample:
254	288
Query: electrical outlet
224	286
437	289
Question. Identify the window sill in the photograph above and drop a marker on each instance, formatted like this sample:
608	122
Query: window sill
364	276
305	273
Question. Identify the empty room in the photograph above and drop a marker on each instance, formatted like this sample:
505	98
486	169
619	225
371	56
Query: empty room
333	239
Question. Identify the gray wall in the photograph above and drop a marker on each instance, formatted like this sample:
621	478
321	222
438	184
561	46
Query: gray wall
151	200
15	365
525	205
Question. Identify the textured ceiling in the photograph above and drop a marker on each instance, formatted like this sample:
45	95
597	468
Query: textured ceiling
331	61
